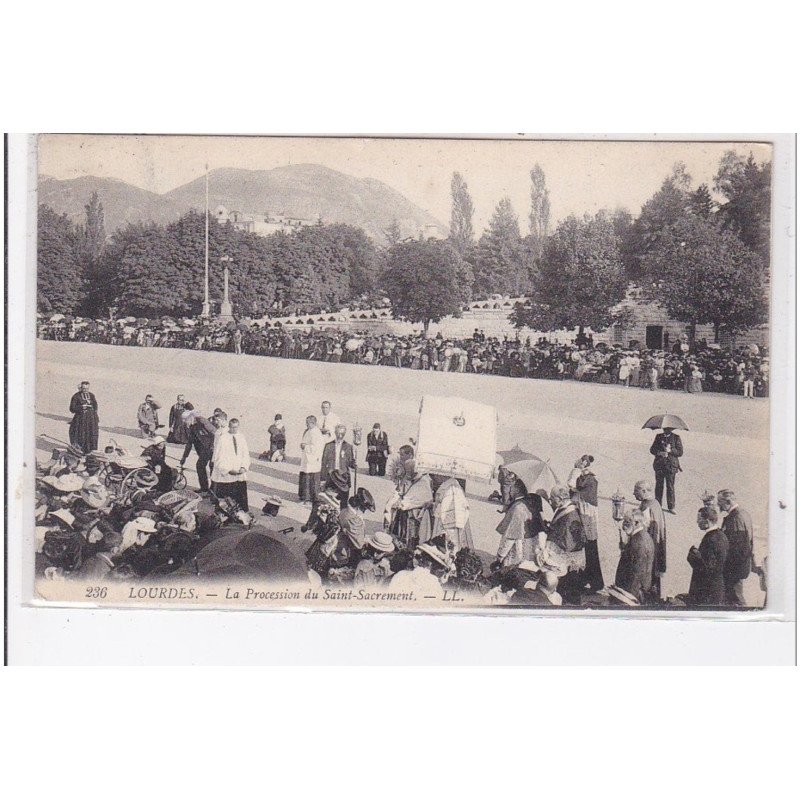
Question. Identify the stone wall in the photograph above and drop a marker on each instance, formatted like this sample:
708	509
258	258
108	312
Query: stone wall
491	316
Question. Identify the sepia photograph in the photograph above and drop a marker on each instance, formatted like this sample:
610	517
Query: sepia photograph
402	374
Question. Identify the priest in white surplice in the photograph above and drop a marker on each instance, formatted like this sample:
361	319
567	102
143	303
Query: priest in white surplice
231	462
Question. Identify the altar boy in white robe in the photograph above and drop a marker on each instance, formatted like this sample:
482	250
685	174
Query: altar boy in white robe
231	462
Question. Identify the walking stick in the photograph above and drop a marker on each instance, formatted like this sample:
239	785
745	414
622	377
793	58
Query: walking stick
357	431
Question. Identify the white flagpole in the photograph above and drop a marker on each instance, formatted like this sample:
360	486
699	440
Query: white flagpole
206	305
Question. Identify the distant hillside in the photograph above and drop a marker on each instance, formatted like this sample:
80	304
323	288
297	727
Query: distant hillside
303	190
122	203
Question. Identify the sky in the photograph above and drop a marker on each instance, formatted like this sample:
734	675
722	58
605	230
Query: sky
582	176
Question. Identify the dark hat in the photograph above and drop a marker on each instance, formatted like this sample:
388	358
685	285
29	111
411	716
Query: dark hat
365	499
376	425
338	480
145	478
272	506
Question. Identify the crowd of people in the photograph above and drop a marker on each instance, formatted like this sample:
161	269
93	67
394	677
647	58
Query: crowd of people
690	367
107	513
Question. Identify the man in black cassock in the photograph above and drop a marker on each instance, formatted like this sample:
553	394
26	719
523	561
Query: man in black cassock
178	429
84	430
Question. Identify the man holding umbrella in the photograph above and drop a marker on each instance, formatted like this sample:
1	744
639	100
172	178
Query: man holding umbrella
667	449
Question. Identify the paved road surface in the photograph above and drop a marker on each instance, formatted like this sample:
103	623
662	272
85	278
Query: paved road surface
727	446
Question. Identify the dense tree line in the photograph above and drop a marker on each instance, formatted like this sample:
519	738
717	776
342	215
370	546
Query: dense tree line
703	257
704	261
151	270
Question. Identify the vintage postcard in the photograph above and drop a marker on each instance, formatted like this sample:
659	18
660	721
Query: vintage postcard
403	374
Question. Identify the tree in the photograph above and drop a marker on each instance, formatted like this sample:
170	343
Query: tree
539	217
149	285
700	202
627	240
94	230
59	273
580	279
703	274
745	185
424	281
500	262
393	233
668	205
461	233
92	235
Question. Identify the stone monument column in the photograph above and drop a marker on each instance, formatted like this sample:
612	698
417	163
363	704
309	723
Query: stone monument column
226	308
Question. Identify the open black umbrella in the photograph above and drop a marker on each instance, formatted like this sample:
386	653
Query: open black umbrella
660	421
516	453
251	553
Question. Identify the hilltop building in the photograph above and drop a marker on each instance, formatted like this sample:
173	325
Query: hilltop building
262	224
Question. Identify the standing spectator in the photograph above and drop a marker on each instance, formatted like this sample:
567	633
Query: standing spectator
625	370
311	447
84	429
635	367
201	437
147	417
237	341
738	528
748	379
667	449
707	587
377	450
231	462
178	430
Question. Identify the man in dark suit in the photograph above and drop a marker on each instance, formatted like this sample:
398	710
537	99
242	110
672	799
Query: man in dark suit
377	450
201	438
707	587
738	528
337	455
667	449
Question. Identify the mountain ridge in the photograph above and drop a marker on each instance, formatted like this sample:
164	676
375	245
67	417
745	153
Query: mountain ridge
306	191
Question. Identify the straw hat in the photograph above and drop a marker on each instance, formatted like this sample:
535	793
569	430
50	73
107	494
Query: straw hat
380	541
69	482
94	493
64	516
328	498
144	524
433	552
626	598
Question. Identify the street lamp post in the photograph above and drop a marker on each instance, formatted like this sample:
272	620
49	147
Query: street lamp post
226	309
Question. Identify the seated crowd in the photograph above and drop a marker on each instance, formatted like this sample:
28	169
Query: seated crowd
691	368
